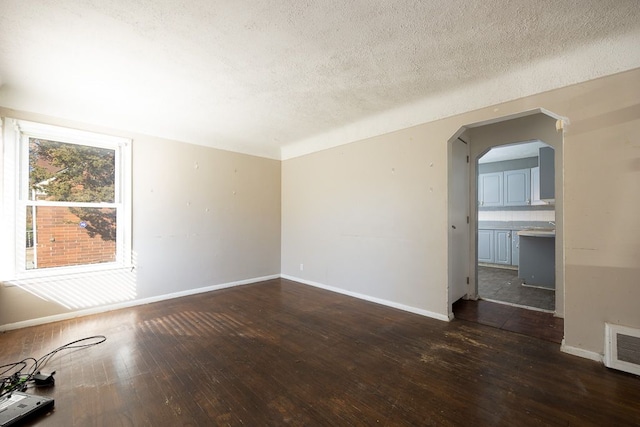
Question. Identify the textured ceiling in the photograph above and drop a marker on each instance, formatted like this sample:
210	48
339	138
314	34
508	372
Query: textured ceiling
261	76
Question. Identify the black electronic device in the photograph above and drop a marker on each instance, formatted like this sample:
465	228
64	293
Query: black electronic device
16	406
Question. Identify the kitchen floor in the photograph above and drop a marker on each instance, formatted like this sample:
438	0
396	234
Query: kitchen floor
503	285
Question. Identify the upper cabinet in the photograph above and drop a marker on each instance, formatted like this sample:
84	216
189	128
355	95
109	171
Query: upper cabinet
535	187
547	174
517	187
506	180
510	188
491	189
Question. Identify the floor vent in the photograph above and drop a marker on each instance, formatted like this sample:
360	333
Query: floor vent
622	348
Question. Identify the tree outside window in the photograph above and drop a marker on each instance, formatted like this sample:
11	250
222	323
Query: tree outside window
71	204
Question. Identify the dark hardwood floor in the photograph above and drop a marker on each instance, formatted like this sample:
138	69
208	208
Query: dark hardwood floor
282	353
515	319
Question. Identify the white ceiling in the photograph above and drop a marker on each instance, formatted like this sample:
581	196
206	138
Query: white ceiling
283	78
512	152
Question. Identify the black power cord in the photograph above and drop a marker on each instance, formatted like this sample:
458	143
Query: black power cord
12	378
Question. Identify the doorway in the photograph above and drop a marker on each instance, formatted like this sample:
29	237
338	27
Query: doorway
510	204
536	125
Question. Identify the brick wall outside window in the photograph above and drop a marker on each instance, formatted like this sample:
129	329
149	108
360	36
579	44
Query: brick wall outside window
62	241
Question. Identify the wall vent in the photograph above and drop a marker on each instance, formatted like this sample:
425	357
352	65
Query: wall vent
622	348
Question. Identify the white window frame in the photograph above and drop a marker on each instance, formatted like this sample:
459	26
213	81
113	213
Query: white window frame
16	135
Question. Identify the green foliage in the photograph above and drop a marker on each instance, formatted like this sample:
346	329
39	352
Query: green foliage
76	173
72	173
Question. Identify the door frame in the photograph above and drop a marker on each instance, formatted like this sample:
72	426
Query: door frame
536	124
458	222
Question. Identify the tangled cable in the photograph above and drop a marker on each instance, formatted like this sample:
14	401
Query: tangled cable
13	378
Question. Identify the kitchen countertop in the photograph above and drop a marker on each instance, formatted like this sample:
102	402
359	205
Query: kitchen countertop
537	232
514	225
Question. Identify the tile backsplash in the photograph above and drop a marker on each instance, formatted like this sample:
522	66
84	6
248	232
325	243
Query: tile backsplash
511	216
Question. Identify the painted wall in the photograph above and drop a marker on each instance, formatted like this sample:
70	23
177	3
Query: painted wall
201	217
370	217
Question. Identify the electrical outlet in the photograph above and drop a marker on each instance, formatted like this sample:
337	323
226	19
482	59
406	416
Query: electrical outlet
301	267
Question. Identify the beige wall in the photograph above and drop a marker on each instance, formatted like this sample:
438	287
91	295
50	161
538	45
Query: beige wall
201	217
370	217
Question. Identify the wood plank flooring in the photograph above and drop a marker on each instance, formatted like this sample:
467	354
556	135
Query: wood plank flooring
515	319
282	353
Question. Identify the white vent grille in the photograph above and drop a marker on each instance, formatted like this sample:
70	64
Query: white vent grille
622	348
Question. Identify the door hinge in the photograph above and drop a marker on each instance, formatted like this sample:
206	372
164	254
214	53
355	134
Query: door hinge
467	280
467	219
467	159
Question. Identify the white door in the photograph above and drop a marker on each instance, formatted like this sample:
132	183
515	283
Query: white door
458	217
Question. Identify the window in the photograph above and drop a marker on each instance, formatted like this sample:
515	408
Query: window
72	199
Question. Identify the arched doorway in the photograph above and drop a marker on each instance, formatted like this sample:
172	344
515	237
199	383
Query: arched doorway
479	138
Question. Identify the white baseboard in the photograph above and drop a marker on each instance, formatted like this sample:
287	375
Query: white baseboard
575	351
381	301
102	309
132	303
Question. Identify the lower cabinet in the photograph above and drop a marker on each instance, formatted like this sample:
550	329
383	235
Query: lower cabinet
503	247
498	247
486	250
515	248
